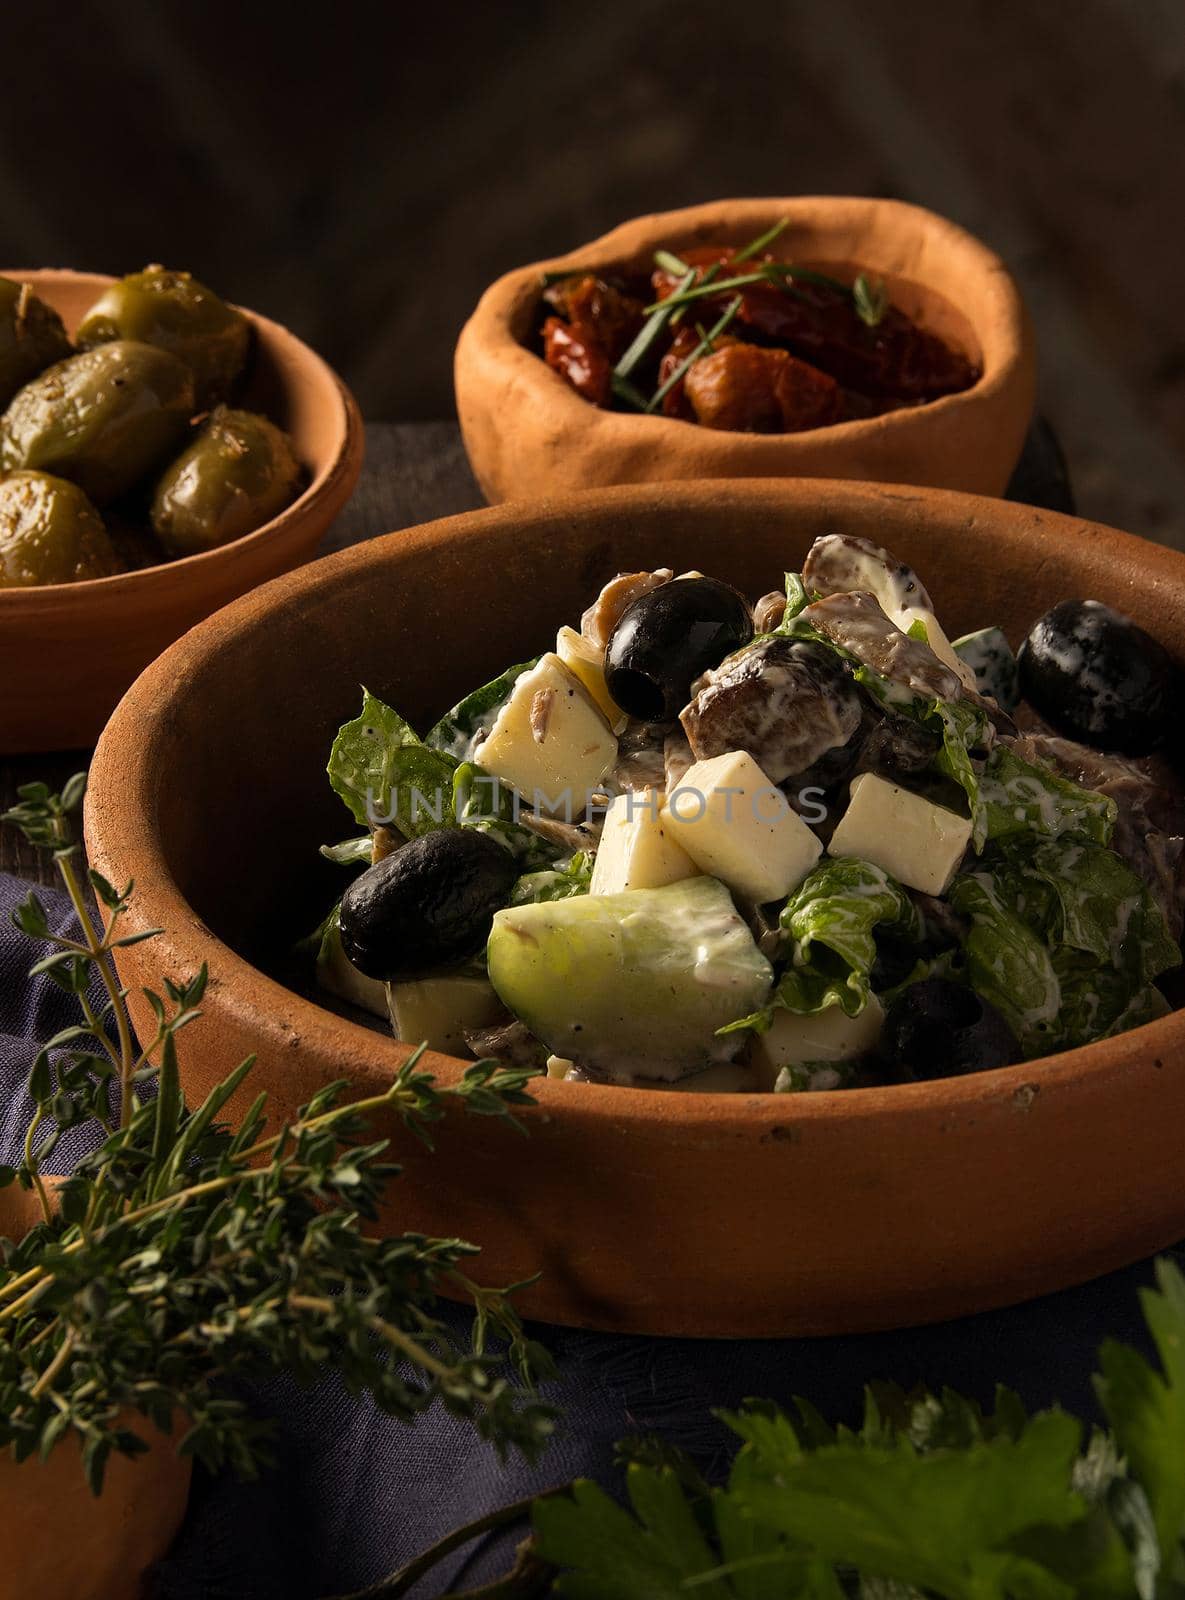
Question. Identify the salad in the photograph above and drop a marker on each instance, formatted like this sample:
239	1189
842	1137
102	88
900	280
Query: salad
801	844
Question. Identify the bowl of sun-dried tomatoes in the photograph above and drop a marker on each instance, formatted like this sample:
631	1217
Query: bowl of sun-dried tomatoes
812	337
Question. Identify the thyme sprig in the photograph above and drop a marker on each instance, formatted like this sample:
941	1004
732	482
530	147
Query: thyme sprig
180	1254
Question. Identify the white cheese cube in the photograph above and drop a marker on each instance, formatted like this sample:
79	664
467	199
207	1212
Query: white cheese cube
549	742
915	841
738	827
587	663
637	850
438	1010
831	1035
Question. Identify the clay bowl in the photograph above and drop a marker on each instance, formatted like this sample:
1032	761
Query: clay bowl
58	1538
643	1210
68	651
529	434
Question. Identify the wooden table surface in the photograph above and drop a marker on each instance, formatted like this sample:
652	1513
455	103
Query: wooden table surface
414	472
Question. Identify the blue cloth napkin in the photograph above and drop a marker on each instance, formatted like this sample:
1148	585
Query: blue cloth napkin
355	1495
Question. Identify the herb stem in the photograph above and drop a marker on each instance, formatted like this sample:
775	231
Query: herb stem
755	246
406	1577
227	1180
99	951
62	1355
404	1342
685	297
704	345
30	1163
657	317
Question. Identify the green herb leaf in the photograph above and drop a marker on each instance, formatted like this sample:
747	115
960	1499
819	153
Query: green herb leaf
351	852
1146	1409
871	300
362	759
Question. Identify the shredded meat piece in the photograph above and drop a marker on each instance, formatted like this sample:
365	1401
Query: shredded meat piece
747	388
566	835
898	744
641	758
542	704
785	702
599	621
1150	827
510	1042
769	611
384	841
677	756
855	621
941	917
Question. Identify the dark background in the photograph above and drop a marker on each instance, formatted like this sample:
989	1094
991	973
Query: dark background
360	172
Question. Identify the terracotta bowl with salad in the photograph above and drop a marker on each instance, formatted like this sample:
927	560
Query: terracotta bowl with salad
818	845
807	337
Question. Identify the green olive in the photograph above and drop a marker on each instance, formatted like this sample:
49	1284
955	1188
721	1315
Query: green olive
50	533
105	419
238	473
31	337
175	312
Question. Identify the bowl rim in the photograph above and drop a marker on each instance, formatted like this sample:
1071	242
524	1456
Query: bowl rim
226	556
997	304
123	835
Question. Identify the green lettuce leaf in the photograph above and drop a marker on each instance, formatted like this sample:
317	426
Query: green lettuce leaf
1094	903
1066	940
560	882
480	801
455	732
1007	963
420	796
965	727
351	852
797	600
362	760
1016	797
830	921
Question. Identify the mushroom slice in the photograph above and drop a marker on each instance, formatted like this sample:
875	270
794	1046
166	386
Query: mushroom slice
856	622
783	702
840	563
606	611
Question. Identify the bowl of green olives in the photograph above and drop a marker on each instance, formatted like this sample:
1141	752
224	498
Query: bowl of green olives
161	453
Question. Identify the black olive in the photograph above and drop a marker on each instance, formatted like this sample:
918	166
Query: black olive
940	1029
429	905
1098	678
666	638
